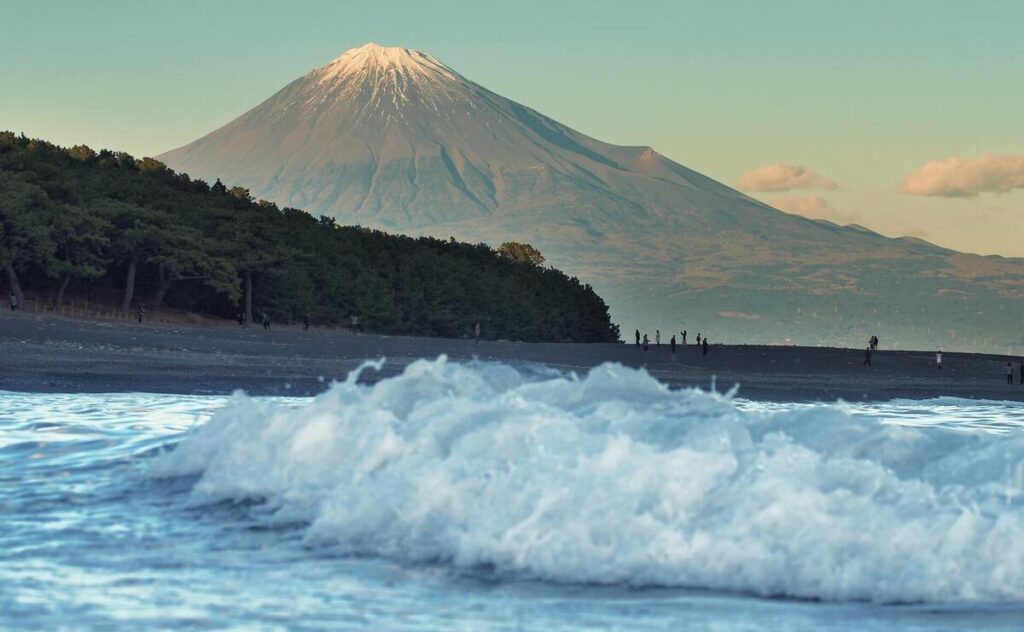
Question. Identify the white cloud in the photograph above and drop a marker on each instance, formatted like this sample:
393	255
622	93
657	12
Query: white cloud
779	177
814	207
966	177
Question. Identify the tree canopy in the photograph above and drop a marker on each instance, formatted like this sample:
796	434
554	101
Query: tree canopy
522	253
106	222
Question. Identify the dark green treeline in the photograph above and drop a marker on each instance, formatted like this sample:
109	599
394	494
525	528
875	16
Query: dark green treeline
76	221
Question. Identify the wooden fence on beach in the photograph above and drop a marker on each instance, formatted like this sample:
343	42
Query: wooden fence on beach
85	309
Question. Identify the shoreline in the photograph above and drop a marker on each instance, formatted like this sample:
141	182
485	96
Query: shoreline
54	354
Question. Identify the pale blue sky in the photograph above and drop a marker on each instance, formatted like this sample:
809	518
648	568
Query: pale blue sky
863	92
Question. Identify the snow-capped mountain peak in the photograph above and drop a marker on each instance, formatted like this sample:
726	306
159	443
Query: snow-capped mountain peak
383	81
373	59
393	138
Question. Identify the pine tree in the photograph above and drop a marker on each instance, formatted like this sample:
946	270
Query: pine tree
24	229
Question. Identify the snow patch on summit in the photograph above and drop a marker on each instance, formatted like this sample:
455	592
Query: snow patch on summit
374	59
384	79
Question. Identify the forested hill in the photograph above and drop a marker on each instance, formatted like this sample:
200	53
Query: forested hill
73	220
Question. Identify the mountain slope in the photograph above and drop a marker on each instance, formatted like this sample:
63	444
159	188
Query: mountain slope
392	138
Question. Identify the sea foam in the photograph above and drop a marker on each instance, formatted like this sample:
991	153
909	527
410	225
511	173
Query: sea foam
612	478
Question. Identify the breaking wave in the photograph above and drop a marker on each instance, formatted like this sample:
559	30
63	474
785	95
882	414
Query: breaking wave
612	478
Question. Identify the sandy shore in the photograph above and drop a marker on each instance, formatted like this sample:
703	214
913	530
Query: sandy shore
54	354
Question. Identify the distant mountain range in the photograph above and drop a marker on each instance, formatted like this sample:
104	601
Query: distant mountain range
394	139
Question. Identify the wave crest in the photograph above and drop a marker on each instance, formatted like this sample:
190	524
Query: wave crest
613	478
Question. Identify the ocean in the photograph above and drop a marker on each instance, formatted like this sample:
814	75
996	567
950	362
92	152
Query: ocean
474	496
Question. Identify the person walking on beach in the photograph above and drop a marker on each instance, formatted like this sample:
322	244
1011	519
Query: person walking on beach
684	337
938	360
867	356
139	312
657	337
266	320
704	348
673	343
1009	373
476	333
638	337
645	342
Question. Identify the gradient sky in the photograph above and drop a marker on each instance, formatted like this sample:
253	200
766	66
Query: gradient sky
861	93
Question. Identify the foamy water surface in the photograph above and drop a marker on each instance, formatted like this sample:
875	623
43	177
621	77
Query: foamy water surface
469	496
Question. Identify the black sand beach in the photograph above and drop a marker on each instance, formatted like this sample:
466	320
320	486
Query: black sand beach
46	353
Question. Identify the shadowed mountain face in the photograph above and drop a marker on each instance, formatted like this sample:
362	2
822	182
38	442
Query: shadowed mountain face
394	139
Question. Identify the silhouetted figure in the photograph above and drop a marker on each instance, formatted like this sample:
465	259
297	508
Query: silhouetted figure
14	301
704	347
698	338
305	323
657	337
140	311
476	332
638	337
673	343
266	320
938	360
867	356
645	342
1009	373
684	337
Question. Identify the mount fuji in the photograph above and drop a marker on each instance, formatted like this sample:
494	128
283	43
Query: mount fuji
392	138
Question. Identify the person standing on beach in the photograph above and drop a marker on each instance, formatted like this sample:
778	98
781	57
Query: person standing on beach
476	332
1009	373
704	347
638	337
867	356
14	301
355	322
657	337
673	343
698	338
645	342
684	337
266	320
938	360
139	312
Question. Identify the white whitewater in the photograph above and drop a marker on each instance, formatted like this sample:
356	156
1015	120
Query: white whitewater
614	479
